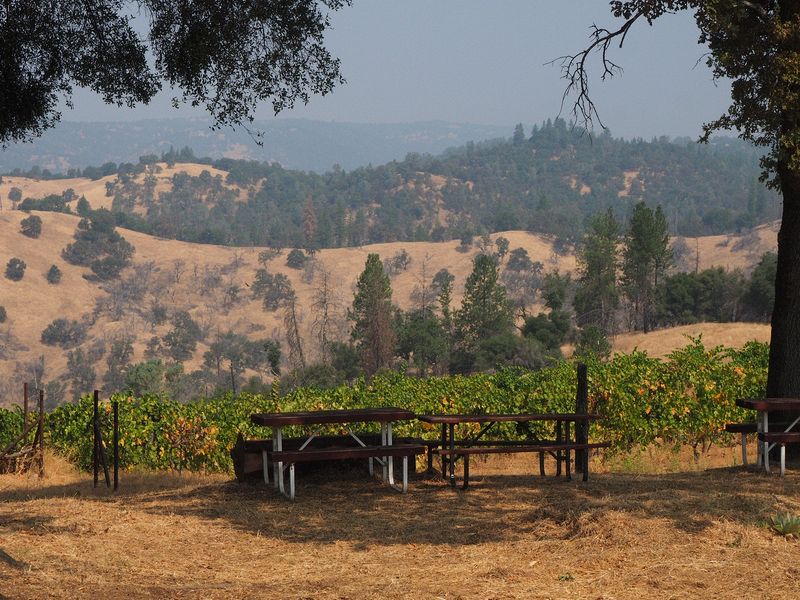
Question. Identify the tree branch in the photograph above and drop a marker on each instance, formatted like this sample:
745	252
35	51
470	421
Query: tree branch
574	70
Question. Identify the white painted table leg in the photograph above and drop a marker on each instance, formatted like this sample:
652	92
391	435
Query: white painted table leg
390	458
265	463
783	459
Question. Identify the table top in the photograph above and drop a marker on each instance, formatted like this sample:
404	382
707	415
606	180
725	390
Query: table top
771	404
318	417
500	418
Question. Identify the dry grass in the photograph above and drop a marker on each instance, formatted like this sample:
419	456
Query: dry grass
628	533
662	342
32	303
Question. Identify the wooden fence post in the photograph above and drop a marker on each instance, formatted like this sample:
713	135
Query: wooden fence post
41	433
582	427
116	444
95	429
24	413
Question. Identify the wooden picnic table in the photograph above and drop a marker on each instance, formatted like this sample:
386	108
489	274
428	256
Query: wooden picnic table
451	450
767	438
383	453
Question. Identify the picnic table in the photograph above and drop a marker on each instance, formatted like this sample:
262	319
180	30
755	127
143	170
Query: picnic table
384	453
451	450
768	437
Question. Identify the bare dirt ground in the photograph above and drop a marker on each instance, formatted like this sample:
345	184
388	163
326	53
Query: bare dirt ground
647	525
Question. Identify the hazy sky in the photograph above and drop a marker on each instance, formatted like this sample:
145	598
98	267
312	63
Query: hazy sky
483	61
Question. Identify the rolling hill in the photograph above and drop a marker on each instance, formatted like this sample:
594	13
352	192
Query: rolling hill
176	275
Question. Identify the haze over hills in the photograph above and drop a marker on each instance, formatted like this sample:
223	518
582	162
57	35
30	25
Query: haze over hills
548	180
294	143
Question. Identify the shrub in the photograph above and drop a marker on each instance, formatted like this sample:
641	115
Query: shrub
296	259
686	398
53	275
31	226
3	314
15	269
63	333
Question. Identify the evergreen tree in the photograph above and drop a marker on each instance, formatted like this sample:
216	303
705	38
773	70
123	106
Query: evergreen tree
310	226
485	310
646	257
597	296
373	329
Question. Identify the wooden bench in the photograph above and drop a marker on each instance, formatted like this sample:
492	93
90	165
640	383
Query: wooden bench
291	457
513	447
782	438
248	457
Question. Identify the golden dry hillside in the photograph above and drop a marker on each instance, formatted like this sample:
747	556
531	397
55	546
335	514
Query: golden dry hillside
176	279
94	190
177	276
662	342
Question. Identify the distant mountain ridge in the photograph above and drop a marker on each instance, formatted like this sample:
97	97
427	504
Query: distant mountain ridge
548	180
293	143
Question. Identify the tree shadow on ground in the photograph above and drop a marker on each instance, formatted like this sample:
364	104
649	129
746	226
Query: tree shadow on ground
346	506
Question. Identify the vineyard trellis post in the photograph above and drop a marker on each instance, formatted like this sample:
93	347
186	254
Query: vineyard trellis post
582	427
18	455
99	453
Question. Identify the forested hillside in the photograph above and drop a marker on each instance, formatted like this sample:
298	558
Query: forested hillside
549	180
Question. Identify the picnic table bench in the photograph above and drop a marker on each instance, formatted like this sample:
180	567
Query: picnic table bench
384	452
769	434
452	450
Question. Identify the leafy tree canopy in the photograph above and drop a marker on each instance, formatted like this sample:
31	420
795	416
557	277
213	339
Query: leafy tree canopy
225	56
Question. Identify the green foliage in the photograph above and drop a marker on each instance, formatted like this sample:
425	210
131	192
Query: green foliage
51	203
786	524
64	333
296	259
272	289
31	226
485	311
99	246
53	275
182	339
646	257
687	398
597	296
10	425
759	297
371	314
15	269
710	295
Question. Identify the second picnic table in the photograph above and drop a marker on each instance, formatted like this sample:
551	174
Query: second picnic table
384	453
767	437
451	449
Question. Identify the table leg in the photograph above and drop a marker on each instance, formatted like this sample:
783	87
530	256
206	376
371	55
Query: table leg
390	458
277	446
765	447
566	452
466	471
452	459
541	464
444	446
384	443
559	453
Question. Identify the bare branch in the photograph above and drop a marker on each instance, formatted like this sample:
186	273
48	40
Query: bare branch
574	70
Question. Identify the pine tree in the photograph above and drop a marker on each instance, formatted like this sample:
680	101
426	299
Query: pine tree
310	226
597	296
485	310
372	315
646	258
